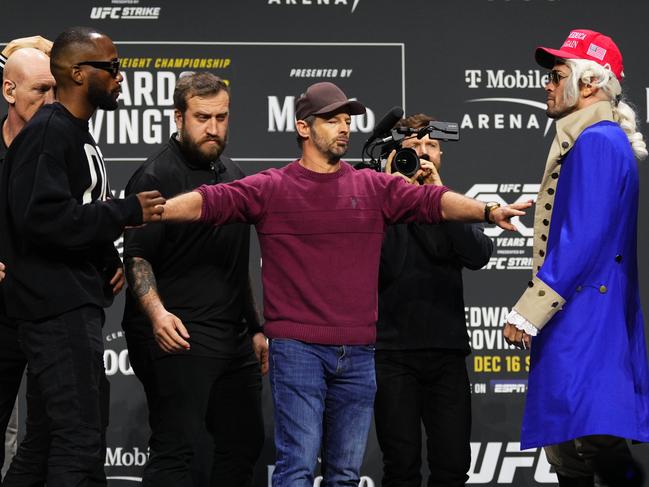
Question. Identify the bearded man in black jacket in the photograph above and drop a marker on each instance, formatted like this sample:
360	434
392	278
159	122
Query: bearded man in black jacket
422	341
59	223
191	281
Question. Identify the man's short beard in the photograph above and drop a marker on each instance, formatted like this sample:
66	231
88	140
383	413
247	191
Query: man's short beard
332	157
556	115
101	98
569	105
195	154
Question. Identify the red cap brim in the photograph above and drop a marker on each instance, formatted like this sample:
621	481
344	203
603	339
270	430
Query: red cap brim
547	57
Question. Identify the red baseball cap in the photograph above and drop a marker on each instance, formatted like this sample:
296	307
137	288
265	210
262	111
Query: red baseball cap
584	44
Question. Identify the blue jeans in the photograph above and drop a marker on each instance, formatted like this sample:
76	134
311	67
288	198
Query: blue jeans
323	397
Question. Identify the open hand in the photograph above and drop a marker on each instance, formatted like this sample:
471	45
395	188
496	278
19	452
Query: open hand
36	42
170	333
502	216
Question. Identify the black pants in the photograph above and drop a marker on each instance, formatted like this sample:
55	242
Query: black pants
67	400
141	355
12	366
142	352
429	386
577	461
222	396
29	466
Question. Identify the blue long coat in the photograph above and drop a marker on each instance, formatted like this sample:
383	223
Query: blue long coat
588	370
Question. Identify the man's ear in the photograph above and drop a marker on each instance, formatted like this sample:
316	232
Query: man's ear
587	90
9	91
77	75
178	117
303	129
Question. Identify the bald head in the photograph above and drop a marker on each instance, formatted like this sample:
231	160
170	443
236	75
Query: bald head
25	63
27	84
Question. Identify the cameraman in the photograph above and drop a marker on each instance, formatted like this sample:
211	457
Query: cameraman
422	340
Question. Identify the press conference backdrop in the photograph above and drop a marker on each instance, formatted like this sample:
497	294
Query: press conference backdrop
469	61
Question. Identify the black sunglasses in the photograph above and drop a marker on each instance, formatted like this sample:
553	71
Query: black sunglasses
555	77
111	66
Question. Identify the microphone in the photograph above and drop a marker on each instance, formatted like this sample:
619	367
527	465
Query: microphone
388	121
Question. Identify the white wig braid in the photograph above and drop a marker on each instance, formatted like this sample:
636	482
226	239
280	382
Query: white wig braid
591	73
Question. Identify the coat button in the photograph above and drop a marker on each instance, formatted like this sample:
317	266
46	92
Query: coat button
565	145
546	222
555	175
602	289
550	191
618	258
544	238
541	292
555	304
548	206
541	253
530	284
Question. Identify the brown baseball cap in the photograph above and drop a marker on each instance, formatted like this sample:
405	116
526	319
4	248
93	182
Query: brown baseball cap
325	97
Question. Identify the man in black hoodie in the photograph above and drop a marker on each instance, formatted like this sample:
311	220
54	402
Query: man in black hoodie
422	341
59	223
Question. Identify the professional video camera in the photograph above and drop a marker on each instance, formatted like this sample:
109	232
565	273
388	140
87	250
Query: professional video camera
388	138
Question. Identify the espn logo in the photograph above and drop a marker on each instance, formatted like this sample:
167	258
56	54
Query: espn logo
509	386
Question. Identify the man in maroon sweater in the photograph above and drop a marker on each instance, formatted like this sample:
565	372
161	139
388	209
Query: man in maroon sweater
320	225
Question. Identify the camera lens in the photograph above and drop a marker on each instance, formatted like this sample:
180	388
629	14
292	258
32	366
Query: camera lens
406	162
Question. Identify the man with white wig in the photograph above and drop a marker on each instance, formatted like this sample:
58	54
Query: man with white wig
589	381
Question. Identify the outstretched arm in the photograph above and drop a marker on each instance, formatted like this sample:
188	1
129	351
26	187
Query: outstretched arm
456	207
183	208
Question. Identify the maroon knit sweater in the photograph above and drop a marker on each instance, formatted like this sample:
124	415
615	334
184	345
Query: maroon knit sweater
320	237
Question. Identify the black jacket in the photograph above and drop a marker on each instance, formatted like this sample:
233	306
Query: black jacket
57	218
201	270
421	302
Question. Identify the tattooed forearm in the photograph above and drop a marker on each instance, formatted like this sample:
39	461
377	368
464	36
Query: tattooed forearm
140	277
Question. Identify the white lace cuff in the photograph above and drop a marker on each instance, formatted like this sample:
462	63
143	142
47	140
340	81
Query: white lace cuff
521	323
